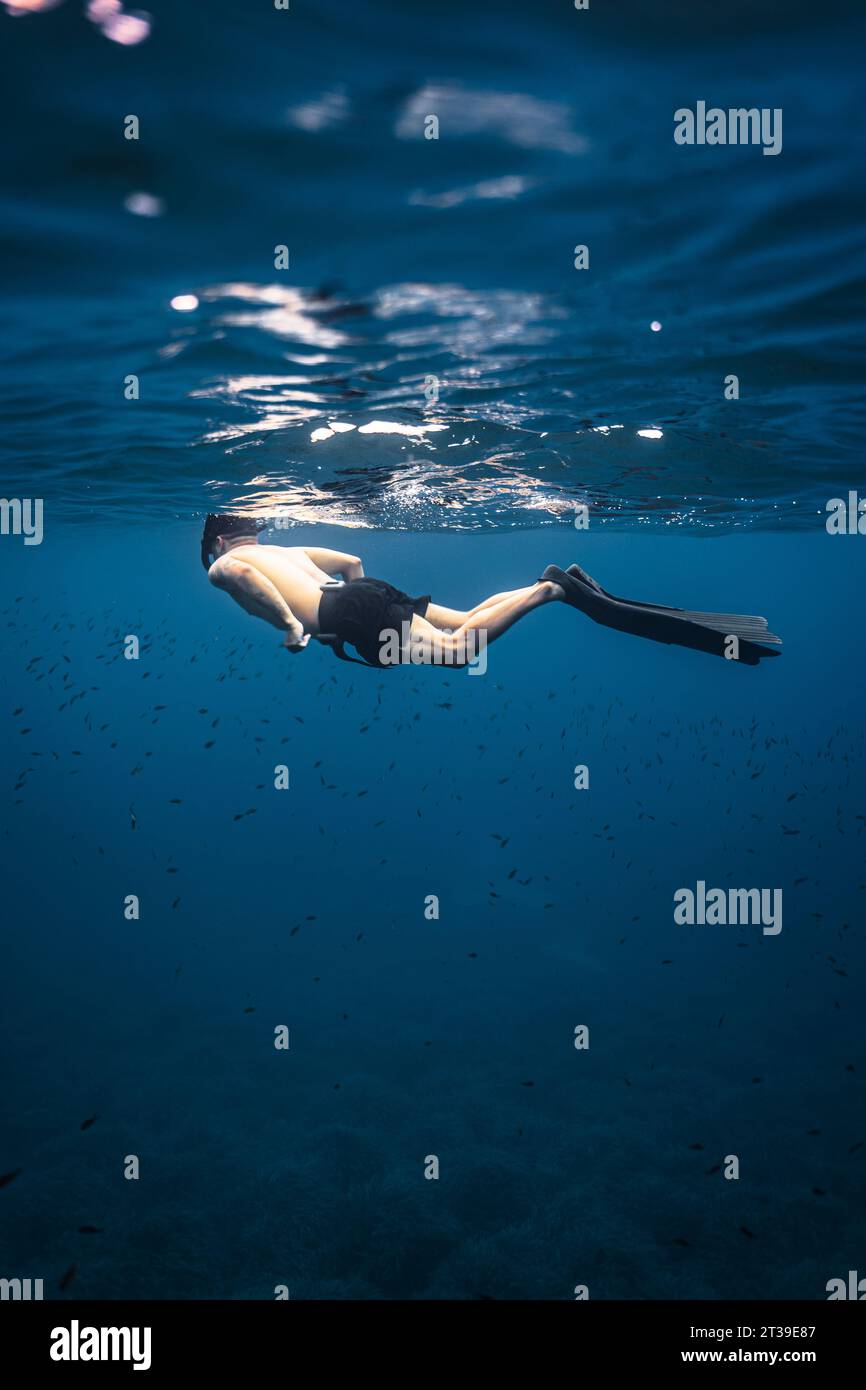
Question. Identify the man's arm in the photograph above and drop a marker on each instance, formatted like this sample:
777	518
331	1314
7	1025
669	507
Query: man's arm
257	595
335	562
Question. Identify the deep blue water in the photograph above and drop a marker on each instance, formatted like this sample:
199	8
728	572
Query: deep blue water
412	259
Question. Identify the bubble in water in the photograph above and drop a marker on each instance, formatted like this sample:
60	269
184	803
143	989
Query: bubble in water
117	24
184	303
144	205
101	10
129	28
16	8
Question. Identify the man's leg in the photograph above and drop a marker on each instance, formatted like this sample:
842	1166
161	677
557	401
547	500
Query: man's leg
486	623
440	616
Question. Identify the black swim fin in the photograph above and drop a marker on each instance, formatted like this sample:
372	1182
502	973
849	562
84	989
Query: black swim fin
707	632
742	625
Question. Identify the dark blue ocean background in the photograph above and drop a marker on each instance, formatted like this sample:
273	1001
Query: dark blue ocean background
412	259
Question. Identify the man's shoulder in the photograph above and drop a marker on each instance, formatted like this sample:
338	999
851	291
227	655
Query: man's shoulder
221	569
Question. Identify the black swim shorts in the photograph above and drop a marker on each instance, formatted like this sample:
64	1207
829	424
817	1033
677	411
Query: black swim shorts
365	612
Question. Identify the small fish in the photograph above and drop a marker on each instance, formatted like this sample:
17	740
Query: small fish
66	1279
90	1230
91	1119
6	1178
746	1232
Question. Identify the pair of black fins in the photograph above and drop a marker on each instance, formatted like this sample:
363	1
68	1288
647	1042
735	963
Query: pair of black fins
682	627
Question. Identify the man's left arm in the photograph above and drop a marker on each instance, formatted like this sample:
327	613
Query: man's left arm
335	562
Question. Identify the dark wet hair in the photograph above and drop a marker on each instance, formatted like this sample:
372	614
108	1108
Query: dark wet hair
226	524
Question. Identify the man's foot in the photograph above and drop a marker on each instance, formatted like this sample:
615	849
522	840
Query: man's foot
555	592
552	578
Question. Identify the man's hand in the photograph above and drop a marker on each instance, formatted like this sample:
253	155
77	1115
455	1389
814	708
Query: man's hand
296	639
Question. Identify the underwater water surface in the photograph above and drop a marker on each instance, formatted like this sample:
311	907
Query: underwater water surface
432	385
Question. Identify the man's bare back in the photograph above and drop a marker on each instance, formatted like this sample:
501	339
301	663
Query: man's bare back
296	577
282	584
